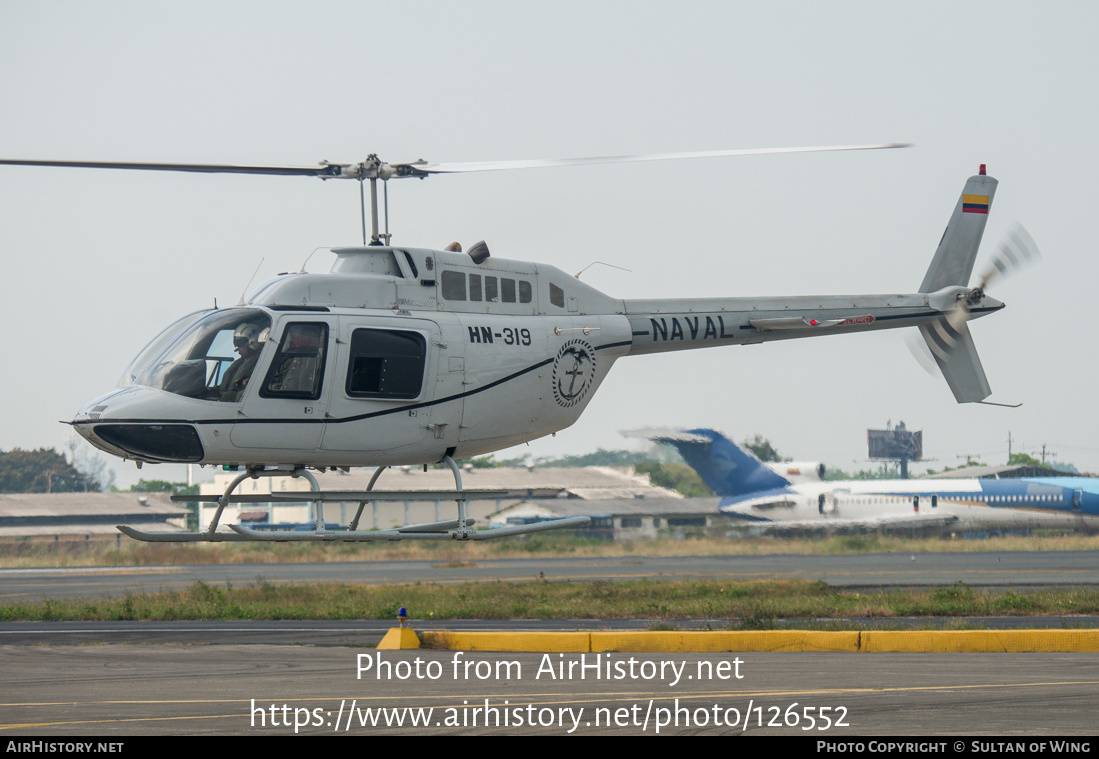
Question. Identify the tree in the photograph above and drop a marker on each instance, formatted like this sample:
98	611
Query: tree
1023	459
883	472
87	460
762	449
601	457
160	486
42	471
970	463
489	462
678	477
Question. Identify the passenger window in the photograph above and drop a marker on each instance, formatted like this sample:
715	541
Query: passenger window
507	286
454	285
298	368
492	295
386	364
526	294
557	296
475	287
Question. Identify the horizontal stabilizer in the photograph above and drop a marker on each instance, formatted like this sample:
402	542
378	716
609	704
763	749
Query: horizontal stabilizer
954	352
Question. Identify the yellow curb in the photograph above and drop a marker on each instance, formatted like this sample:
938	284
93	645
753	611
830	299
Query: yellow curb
713	642
565	642
904	641
980	641
398	638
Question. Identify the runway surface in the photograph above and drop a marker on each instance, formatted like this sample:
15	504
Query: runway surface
124	690
221	678
1004	569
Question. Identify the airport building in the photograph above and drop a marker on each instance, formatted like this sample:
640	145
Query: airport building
90	514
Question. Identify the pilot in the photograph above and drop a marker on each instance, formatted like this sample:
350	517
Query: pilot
247	340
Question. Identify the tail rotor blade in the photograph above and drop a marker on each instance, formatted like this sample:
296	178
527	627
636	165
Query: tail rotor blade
955	319
921	353
1016	251
942	336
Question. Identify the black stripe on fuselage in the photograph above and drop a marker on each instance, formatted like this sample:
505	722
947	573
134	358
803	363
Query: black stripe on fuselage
357	417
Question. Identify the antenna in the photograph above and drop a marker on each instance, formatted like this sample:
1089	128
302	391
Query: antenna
245	290
604	263
311	254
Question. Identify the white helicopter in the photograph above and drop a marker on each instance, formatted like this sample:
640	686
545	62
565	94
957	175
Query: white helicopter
408	356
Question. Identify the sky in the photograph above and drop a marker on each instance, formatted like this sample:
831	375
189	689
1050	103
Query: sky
97	262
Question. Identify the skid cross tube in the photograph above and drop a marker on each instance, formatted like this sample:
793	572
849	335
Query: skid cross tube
210	534
454	529
255	474
463	515
412	532
354	525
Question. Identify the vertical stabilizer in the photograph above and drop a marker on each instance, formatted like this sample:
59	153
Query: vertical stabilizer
726	469
953	261
948	337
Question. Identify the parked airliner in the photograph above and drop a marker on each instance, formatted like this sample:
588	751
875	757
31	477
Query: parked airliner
794	494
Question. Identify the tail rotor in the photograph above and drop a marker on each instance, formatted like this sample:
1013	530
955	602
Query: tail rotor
948	337
1017	251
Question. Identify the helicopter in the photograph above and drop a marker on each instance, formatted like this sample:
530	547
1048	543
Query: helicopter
404	356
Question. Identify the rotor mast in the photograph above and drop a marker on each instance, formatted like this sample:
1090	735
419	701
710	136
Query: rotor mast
372	170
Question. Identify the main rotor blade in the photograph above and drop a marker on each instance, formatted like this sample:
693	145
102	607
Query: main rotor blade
539	163
321	170
372	168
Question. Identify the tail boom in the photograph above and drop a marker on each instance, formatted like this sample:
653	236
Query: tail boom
659	326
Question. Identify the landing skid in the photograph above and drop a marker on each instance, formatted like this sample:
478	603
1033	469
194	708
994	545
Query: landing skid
455	529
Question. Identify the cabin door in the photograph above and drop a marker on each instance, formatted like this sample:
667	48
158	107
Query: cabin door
285	399
383	386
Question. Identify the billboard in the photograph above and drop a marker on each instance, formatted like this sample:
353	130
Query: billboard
895	444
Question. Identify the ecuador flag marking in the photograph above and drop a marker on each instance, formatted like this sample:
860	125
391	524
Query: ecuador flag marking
975	204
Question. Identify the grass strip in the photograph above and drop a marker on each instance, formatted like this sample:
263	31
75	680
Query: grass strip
107	552
739	604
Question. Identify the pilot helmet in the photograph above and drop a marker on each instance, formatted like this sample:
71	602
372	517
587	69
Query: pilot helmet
250	335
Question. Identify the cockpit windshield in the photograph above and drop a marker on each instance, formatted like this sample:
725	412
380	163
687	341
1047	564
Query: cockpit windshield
209	355
151	352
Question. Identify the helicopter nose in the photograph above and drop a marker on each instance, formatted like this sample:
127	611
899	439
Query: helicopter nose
115	424
152	442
